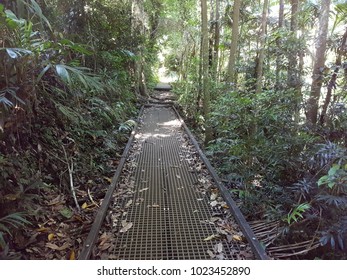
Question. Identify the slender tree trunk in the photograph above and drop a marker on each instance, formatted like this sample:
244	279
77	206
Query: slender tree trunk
332	82
216	40
278	44
292	78
259	70
317	76
234	42
138	25
295	60
211	38
205	70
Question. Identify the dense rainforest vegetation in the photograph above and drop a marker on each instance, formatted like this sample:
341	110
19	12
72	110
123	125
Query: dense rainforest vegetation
262	83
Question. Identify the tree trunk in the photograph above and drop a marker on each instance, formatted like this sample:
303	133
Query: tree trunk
317	76
259	70
292	78
216	41
205	70
332	82
234	42
138	23
278	44
211	37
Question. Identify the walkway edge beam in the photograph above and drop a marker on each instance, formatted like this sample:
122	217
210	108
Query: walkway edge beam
257	249
100	216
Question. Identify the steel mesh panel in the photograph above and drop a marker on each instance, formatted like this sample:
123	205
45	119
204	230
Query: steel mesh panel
169	213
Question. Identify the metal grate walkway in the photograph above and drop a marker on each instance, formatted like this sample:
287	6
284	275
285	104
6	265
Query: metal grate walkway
167	213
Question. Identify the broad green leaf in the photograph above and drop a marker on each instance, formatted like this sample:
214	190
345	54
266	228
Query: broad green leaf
11	53
11	15
43	72
63	73
16	52
331	185
323	180
66	212
333	169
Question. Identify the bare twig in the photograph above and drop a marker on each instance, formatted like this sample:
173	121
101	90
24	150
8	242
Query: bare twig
91	198
70	169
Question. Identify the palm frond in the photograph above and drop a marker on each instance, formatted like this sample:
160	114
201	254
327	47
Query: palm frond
35	8
13	220
15	53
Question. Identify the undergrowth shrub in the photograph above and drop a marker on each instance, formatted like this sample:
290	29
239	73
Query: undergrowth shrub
279	169
56	112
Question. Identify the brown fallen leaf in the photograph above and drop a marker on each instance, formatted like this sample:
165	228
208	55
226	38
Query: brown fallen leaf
105	237
12	196
55	201
42	229
104	246
237	237
108	179
72	255
56	247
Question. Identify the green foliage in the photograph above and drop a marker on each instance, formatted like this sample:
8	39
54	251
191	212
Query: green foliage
296	213
10	221
336	176
127	126
5	101
60	90
260	134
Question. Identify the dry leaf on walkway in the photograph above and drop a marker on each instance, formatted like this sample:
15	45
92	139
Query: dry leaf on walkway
214	203
237	237
211	237
211	254
214	196
126	226
128	203
219	247
105	237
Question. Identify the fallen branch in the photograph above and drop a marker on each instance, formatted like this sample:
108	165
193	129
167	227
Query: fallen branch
70	169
